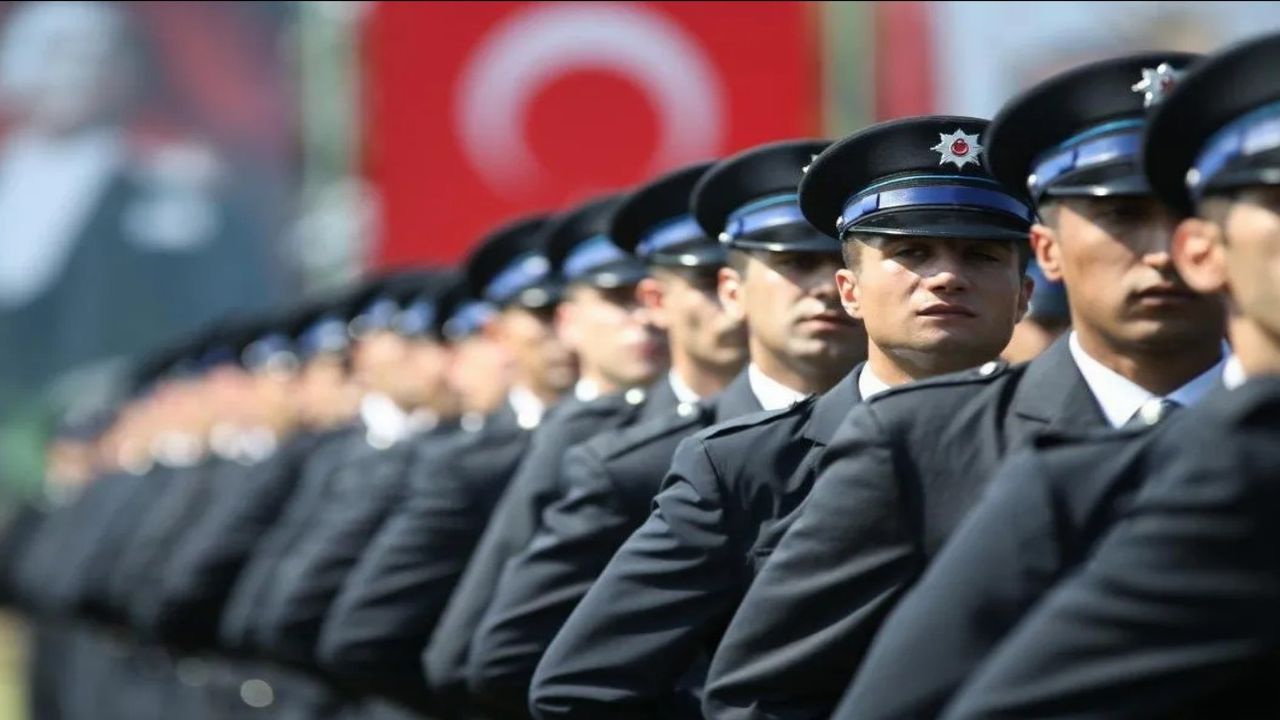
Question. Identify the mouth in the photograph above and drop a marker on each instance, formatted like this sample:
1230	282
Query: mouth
1164	294
946	310
829	319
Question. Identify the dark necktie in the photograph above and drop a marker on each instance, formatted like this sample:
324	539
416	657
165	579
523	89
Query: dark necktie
1152	412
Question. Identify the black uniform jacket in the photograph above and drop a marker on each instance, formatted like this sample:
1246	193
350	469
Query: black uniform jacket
512	526
1174	614
667	593
902	472
610	482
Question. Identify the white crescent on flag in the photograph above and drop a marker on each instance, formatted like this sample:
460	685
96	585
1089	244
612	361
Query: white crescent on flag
536	45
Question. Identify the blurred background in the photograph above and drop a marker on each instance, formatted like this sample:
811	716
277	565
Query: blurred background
164	163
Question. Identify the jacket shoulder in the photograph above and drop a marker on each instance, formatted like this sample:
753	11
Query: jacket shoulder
615	446
758	421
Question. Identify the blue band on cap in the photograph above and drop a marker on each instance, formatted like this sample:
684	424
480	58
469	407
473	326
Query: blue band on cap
955	195
676	231
261	351
762	214
378	314
523	273
468	319
1250	134
216	356
418	318
1087	150
328	334
591	254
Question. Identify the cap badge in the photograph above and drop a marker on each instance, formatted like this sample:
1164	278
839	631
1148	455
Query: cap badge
1156	83
959	148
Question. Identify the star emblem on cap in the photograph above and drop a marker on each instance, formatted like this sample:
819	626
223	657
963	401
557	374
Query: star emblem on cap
959	147
1156	83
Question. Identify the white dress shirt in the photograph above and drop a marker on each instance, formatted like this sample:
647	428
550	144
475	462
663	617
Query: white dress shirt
387	424
1119	397
586	390
771	394
528	407
684	394
870	384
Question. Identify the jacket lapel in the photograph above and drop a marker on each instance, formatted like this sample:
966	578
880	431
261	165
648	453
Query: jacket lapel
832	406
1053	393
737	400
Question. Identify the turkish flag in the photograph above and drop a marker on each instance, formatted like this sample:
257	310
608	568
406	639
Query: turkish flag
475	113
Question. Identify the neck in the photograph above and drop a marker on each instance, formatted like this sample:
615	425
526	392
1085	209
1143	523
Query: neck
1257	349
810	380
703	378
536	383
1157	371
901	367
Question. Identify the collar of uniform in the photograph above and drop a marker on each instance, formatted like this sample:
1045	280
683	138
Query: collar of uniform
870	384
1233	375
1120	397
387	424
684	394
586	390
528	408
831	408
772	394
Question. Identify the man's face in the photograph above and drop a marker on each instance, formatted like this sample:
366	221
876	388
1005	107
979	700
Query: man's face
480	372
536	349
613	334
422	381
1113	254
931	299
1252	253
325	393
791	307
377	361
695	320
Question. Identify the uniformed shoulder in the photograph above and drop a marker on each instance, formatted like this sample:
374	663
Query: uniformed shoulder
1255	402
983	375
756	421
1102	438
611	446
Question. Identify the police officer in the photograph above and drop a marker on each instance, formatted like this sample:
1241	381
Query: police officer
609	481
898	480
727	498
377	626
619	352
1173	614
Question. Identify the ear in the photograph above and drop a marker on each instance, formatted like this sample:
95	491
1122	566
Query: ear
1198	255
651	295
850	292
729	288
1044	243
1024	299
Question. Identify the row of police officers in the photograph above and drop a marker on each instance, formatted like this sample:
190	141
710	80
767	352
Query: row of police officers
738	443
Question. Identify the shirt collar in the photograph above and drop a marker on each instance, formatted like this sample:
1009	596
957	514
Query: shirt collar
528	408
586	390
387	424
681	389
1233	373
870	384
771	394
1119	397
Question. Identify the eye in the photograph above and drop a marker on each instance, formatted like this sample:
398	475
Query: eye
909	252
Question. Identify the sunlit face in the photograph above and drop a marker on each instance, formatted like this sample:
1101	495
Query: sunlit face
480	372
790	305
1113	254
613	334
422	381
696	322
537	351
926	299
377	359
1251	249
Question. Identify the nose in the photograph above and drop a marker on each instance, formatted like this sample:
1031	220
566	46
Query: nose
822	281
946	274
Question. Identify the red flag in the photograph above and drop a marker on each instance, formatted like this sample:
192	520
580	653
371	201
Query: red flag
478	112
